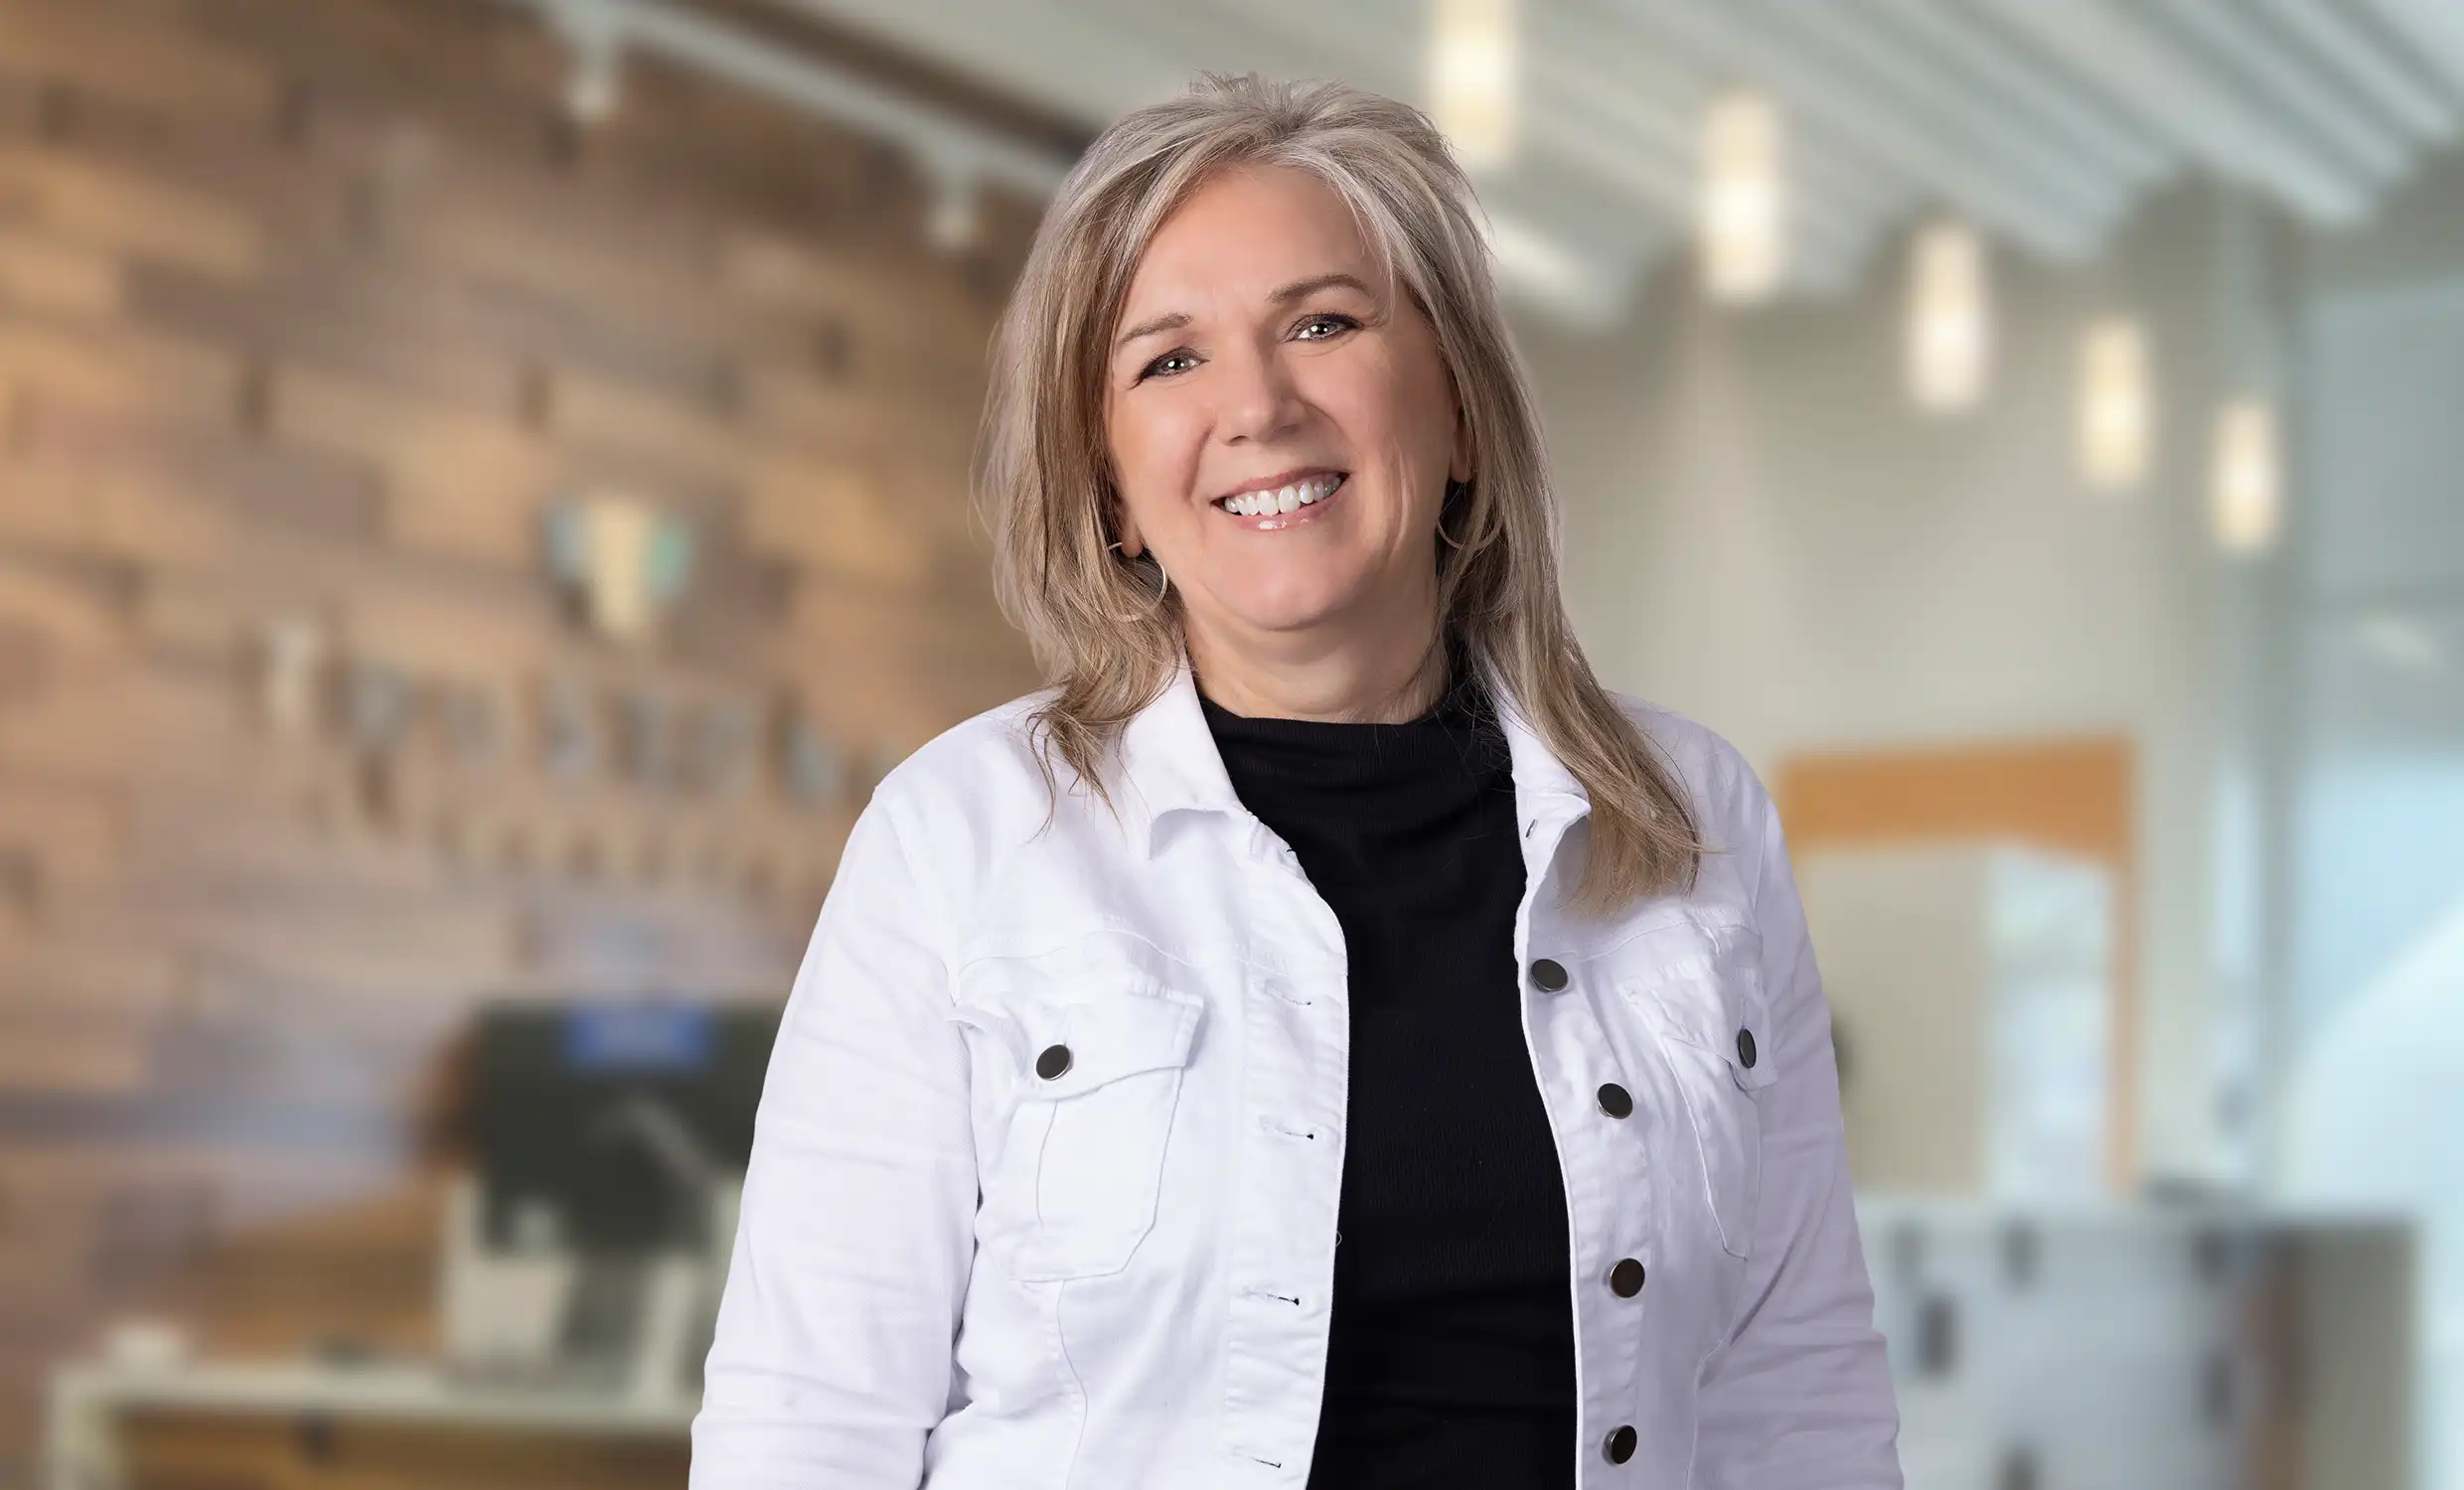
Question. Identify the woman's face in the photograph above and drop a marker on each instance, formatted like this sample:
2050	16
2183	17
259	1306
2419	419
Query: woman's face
1259	351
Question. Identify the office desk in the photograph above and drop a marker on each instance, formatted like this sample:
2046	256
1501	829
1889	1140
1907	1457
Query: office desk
265	1409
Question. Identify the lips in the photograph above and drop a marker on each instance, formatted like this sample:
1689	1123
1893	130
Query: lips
1299	494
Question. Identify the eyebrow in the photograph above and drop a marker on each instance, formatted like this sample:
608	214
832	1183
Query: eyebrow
1297	290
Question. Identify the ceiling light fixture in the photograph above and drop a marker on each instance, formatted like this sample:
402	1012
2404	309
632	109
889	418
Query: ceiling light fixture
2117	415
1743	210
1472	67
2247	494
1949	318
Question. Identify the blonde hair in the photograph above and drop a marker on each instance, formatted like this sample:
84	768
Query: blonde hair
1043	476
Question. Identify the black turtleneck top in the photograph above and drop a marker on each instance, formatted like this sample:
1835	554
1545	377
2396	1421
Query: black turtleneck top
1451	1357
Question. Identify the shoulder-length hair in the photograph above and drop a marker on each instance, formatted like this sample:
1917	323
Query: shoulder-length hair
1044	480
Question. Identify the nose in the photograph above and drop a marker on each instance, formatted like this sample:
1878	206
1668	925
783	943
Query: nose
1261	401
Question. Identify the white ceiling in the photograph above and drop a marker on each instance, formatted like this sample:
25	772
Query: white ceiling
2043	121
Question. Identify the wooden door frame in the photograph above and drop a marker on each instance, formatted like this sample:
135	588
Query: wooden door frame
2074	797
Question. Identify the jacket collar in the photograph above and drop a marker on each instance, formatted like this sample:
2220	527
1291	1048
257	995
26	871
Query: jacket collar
1169	760
1170	765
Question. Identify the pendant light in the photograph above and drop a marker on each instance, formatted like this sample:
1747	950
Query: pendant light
1949	318
1473	69
2116	417
2246	485
1743	219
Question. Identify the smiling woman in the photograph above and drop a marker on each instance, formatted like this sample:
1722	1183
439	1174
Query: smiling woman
1283	430
1250	284
1324	1038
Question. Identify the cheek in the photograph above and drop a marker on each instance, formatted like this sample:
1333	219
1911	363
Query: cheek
1425	396
1397	413
1152	452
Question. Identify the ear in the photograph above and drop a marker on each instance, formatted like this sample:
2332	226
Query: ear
1108	496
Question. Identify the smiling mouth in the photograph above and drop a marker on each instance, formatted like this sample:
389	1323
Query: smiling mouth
1279	507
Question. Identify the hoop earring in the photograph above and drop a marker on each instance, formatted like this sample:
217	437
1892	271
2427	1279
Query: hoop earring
1162	589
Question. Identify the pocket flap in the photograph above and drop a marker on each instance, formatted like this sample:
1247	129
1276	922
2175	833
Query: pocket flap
1106	1003
1709	993
1107	1039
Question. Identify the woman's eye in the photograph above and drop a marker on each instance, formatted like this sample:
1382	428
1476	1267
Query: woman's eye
1156	365
1332	320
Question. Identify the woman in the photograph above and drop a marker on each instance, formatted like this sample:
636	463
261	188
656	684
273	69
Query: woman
1324	1039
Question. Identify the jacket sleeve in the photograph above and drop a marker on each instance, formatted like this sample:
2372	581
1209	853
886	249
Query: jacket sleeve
833	1355
1800	1398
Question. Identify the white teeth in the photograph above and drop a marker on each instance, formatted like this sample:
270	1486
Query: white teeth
1283	500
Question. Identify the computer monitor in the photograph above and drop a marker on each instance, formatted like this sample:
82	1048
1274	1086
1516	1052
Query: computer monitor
612	1119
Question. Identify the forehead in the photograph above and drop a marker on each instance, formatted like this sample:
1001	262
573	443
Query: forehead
1244	234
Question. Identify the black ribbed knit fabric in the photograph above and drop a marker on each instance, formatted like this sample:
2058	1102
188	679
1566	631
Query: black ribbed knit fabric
1451	1361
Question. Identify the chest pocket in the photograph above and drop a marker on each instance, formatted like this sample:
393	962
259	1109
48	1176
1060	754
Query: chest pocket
1707	1007
1095	1057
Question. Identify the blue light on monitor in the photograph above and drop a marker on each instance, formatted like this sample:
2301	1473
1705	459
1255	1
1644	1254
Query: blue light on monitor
640	1037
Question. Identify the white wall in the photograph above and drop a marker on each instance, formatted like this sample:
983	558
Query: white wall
1763	533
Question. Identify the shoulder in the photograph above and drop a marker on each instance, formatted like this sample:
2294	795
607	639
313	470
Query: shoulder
978	770
1713	768
1732	807
947	818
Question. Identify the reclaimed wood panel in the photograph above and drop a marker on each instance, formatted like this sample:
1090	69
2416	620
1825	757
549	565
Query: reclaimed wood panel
121	370
160	67
43	273
288	489
91	203
310	313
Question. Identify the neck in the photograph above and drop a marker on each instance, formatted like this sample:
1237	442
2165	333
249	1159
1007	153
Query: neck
1376	674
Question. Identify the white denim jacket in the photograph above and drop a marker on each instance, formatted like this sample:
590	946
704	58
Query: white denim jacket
1043	1187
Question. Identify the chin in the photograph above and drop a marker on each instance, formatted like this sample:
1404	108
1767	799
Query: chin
1291	602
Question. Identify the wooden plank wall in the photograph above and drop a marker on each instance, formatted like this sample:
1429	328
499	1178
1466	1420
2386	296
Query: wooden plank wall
307	307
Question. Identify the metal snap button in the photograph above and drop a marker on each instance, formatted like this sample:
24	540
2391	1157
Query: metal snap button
1744	1048
1053	1062
1621	1444
1616	1100
1548	975
1625	1278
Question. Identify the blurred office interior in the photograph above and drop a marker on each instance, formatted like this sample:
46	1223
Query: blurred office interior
483	493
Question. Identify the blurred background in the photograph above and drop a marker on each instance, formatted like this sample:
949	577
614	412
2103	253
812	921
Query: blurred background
483	496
